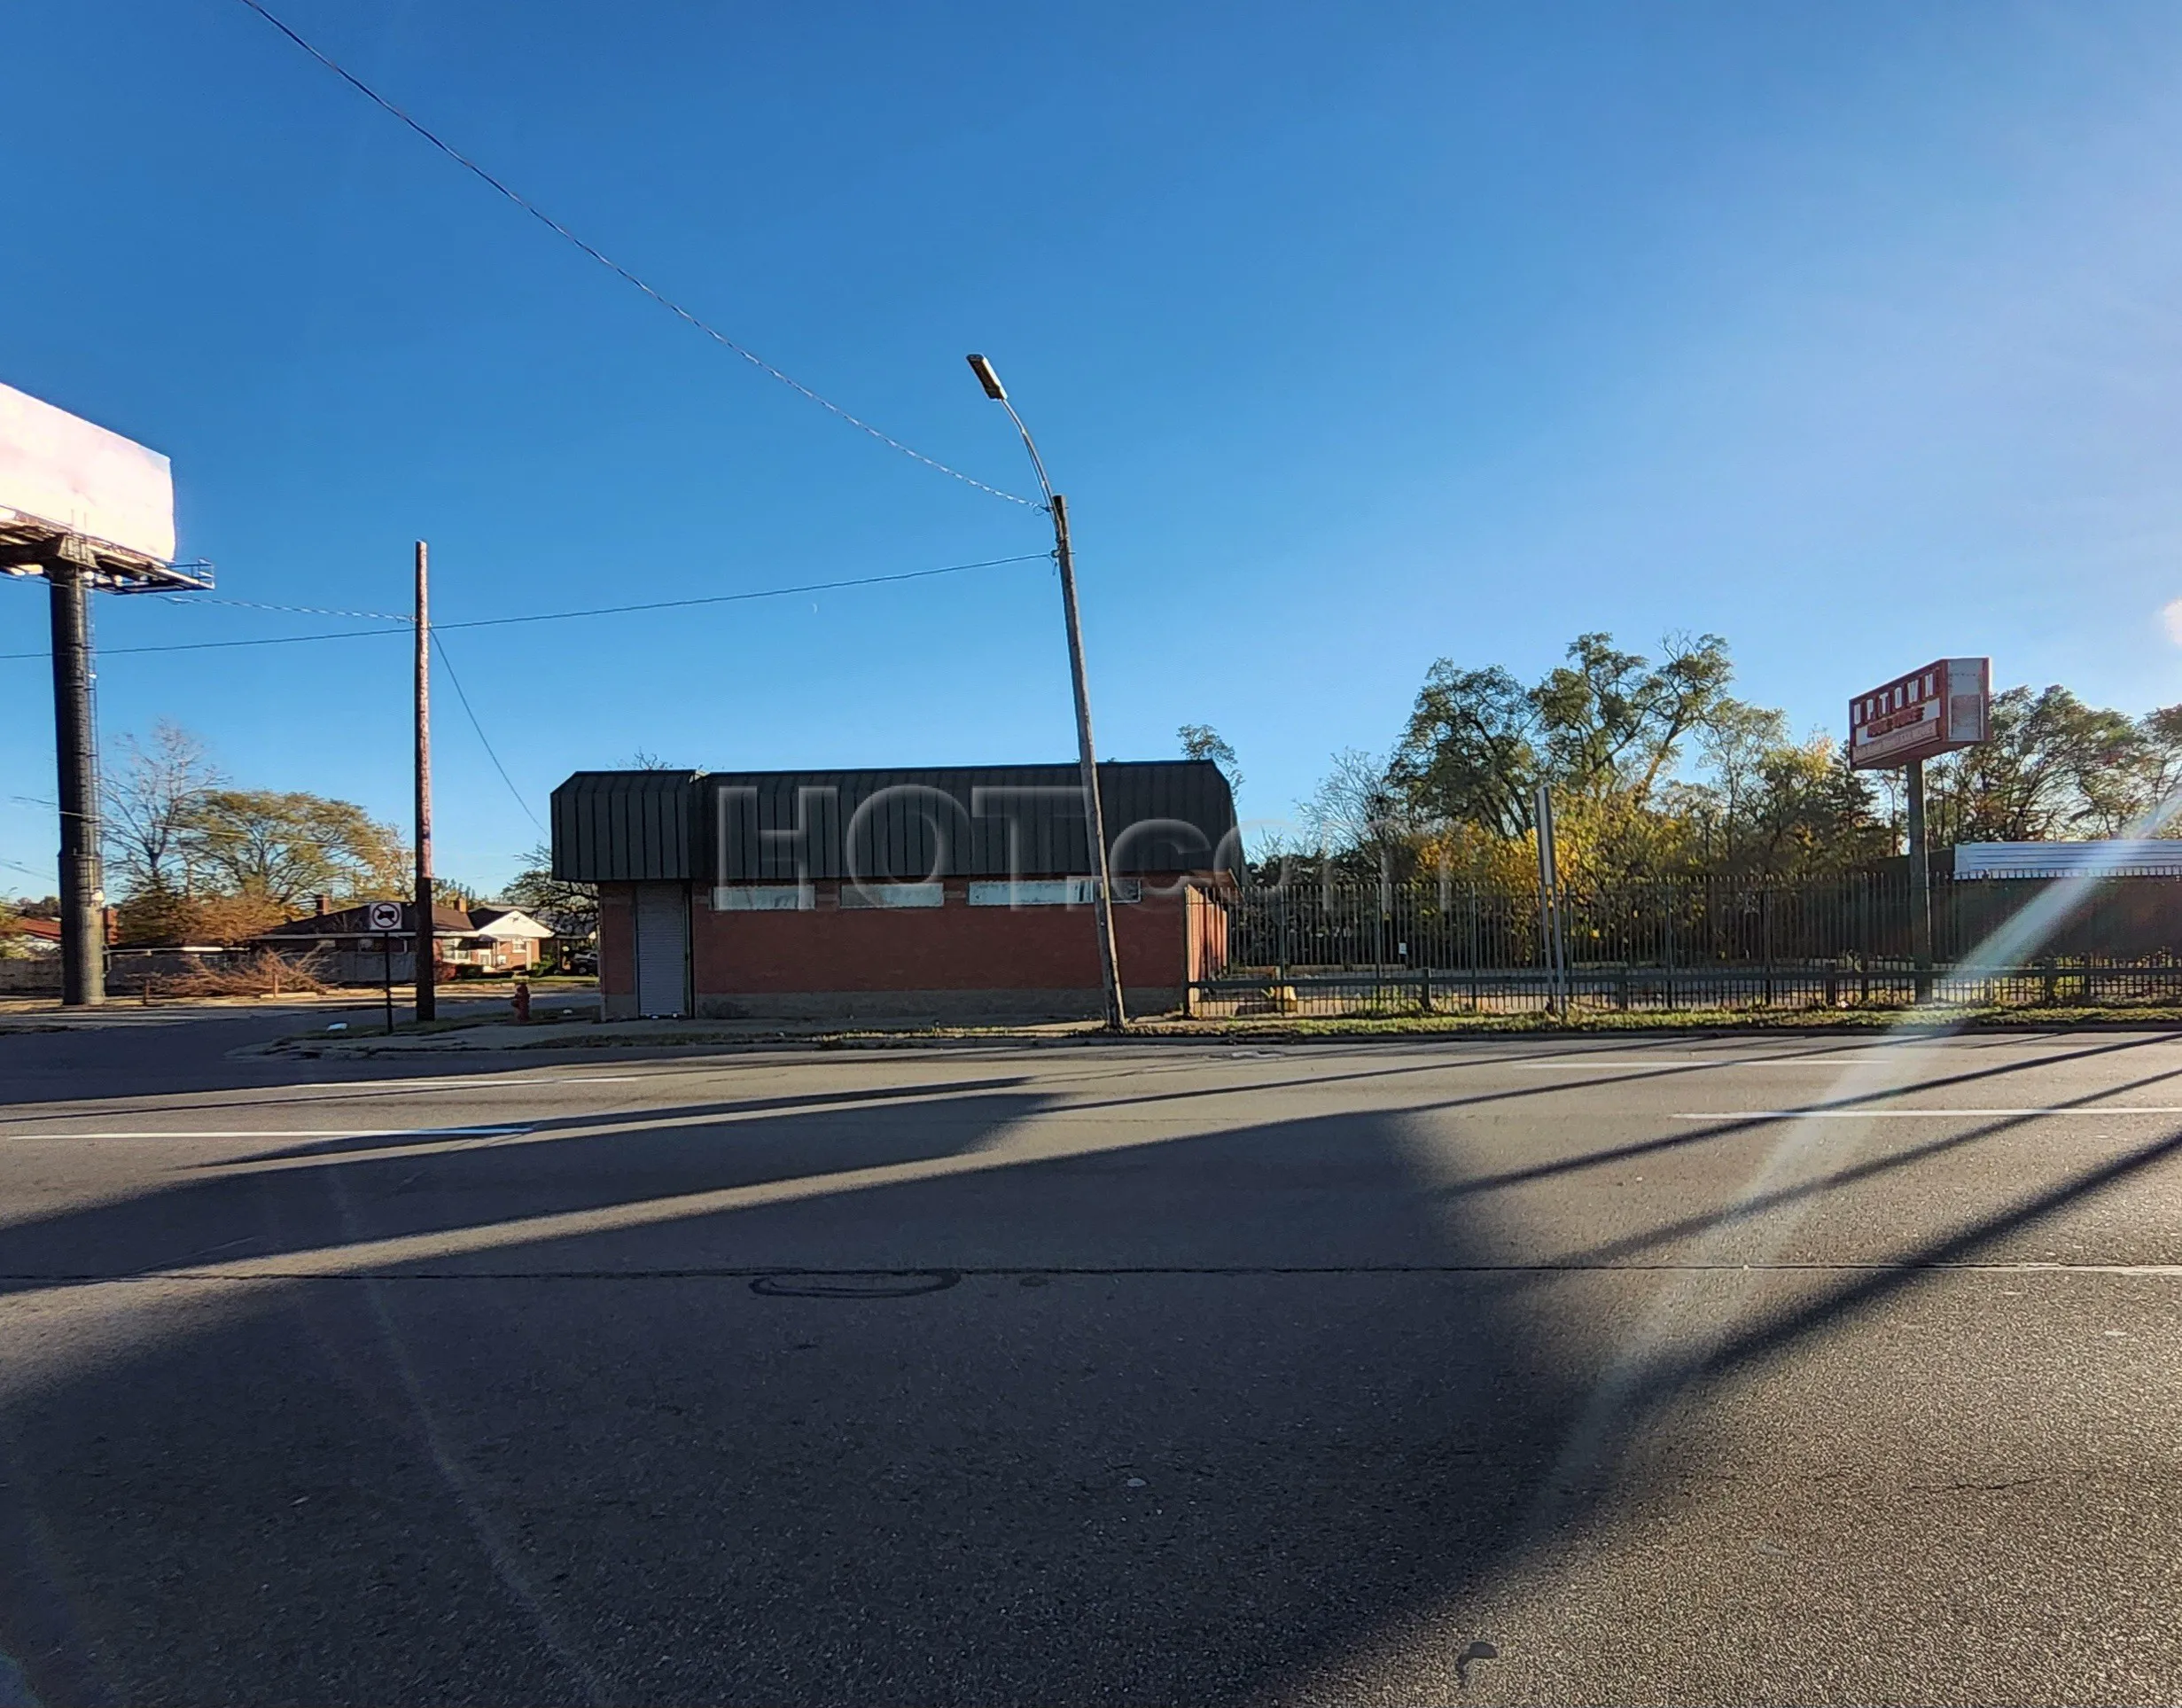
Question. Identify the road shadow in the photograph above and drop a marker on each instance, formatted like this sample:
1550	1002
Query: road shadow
330	1193
1150	1421
1040	1486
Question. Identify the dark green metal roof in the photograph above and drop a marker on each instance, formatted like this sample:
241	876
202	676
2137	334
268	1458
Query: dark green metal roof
620	825
998	821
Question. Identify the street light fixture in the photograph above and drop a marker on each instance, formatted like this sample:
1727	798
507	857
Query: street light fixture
990	380
1102	886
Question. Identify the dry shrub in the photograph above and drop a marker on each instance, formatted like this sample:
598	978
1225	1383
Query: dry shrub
263	974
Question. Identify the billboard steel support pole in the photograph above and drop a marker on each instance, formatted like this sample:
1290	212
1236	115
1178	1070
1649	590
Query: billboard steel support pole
1920	883
421	939
82	900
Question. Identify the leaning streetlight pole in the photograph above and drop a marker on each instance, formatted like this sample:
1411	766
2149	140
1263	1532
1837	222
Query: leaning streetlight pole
1103	886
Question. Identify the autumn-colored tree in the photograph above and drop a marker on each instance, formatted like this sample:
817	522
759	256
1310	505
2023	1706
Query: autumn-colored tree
283	848
1614	735
235	918
157	916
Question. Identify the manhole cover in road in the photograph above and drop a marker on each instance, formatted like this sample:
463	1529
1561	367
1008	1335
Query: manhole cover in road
854	1283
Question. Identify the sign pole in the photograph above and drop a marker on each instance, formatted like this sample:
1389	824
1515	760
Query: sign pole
1549	903
1920	882
1940	709
385	918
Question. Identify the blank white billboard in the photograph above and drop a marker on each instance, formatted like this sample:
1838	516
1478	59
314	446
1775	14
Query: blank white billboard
58	469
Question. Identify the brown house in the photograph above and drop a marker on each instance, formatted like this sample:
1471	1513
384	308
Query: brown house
486	940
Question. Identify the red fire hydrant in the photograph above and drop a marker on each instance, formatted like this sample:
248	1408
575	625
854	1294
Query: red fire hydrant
522	1002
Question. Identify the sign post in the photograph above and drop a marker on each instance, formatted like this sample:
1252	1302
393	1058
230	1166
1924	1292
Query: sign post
1551	948
1919	879
1940	709
385	918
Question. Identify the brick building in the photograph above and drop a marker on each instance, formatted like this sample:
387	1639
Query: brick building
961	892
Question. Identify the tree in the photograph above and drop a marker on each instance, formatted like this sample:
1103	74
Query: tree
1356	817
1472	753
156	915
2053	765
453	893
1607	724
1809	814
282	848
1202	741
1613	724
571	909
149	799
2159	736
234	918
1735	749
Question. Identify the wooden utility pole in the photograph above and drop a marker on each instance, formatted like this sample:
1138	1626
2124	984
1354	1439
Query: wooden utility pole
427	998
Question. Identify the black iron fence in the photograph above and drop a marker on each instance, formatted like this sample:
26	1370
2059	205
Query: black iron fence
1678	943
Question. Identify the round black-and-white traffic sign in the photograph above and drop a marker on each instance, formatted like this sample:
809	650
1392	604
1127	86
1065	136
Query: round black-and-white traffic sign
383	915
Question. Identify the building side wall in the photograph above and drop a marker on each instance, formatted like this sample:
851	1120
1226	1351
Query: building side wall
954	947
617	950
953	961
943	1007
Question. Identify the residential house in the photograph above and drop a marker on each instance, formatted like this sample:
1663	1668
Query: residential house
342	949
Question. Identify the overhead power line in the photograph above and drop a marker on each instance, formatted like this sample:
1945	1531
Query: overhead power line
484	740
297	610
215	646
615	267
765	593
564	616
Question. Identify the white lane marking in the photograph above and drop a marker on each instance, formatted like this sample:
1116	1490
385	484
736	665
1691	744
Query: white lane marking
280	1096
1700	1061
299	1133
2090	1111
458	1081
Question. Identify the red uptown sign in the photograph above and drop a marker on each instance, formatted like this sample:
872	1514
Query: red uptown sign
1929	712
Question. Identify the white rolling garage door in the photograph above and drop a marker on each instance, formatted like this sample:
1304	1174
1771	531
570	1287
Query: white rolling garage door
662	950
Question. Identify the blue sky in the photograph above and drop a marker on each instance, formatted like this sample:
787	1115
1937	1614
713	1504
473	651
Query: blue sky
1357	337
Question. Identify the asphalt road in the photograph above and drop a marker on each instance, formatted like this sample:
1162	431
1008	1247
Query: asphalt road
1486	1371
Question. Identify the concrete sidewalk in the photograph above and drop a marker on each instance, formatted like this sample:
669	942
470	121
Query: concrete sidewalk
357	1041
